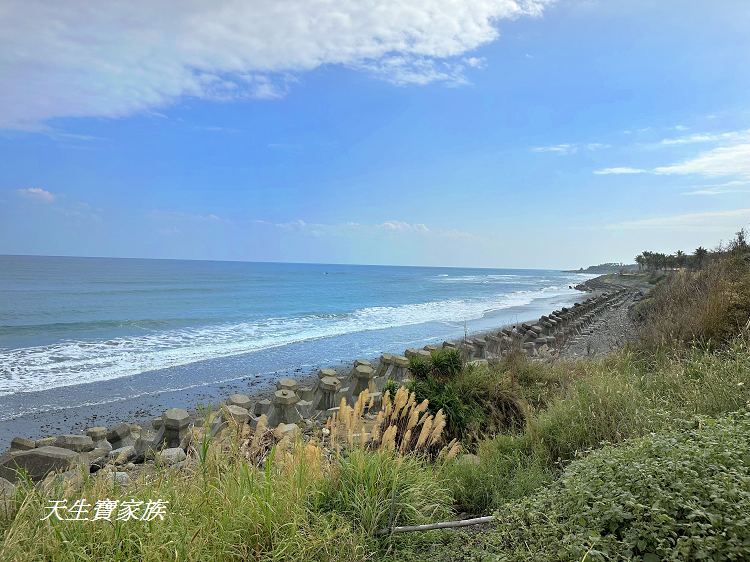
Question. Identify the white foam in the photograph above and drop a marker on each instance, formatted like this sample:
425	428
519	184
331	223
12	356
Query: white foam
78	362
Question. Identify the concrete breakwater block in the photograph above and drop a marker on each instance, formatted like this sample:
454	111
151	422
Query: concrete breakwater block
38	462
283	408
241	400
231	413
123	455
170	457
262	407
288	384
329	386
121	436
237	414
77	443
22	444
176	427
361	379
420	353
99	437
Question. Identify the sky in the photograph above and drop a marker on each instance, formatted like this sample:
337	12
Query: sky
487	133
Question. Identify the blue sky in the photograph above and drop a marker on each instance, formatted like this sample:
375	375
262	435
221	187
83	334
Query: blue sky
477	133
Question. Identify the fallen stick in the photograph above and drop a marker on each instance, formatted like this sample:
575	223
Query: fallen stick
431	526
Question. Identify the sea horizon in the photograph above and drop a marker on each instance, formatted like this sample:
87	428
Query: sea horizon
292	262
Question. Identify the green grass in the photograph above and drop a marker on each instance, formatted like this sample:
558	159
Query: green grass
376	490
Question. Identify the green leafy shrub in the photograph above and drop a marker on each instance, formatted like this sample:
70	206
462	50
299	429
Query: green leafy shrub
459	413
446	363
391	386
420	367
670	496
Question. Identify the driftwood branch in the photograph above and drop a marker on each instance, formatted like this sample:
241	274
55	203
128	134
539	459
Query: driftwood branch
431	526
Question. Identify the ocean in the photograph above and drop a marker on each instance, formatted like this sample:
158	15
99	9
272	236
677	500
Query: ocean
82	332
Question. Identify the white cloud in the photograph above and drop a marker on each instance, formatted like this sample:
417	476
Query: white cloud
74	58
37	194
724	161
400	226
713	221
728	136
556	148
620	170
570	148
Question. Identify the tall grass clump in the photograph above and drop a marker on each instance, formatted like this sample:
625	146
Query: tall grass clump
506	468
380	489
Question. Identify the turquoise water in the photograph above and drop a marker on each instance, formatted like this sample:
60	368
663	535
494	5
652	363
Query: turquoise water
96	328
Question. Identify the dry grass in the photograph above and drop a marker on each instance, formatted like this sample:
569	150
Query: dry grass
707	306
401	425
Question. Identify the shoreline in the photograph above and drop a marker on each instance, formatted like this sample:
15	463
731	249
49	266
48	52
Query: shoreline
143	407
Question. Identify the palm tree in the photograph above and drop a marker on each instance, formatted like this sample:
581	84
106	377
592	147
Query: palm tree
641	261
680	258
700	255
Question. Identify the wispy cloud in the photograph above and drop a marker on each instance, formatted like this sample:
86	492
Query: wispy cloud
37	194
570	148
400	226
143	55
724	161
619	170
161	215
696	138
389	227
735	186
729	159
79	211
715	221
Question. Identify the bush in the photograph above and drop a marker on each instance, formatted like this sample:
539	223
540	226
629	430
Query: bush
671	496
507	470
606	408
459	414
379	489
446	362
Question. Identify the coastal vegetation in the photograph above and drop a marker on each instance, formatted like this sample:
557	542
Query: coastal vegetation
641	454
655	261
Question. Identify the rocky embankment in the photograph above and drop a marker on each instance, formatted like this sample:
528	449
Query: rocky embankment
116	452
616	325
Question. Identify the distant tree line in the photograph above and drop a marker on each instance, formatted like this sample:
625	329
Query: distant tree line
654	261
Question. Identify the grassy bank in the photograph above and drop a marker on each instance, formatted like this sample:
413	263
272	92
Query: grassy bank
643	454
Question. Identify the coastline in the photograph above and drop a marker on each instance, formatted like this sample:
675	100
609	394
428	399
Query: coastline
150	400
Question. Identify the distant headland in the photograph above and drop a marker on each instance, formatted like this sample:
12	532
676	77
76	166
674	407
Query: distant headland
604	268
